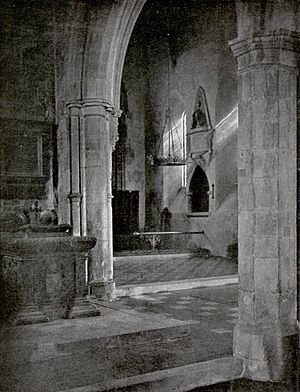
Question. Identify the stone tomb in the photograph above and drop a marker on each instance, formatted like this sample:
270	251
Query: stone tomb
43	272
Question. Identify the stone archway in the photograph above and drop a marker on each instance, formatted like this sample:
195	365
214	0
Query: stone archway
96	52
266	50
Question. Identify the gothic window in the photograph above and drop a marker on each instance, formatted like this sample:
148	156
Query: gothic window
199	192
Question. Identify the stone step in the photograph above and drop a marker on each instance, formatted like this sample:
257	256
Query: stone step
82	307
56	367
30	314
28	308
31	318
132	270
84	311
123	342
185	284
153	257
182	378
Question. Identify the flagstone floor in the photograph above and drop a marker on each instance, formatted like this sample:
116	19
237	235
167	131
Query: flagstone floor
132	336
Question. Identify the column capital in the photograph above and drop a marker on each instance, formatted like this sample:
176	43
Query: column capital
277	47
92	107
75	197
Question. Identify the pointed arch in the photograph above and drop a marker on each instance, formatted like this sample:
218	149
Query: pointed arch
198	191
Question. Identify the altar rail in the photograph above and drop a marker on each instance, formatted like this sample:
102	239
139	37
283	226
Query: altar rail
156	234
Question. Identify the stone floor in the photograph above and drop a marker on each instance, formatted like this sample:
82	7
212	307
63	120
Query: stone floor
147	335
176	341
138	269
252	386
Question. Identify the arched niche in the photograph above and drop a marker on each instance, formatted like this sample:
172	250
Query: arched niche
198	193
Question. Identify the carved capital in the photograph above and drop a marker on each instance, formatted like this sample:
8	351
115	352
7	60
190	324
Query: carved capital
93	107
75	197
109	197
279	47
97	107
74	108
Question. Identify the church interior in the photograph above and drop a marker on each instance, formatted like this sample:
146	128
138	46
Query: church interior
148	198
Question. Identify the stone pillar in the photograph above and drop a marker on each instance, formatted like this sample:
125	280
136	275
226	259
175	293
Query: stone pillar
265	336
91	169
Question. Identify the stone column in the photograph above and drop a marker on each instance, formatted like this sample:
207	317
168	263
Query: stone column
75	195
265	336
93	163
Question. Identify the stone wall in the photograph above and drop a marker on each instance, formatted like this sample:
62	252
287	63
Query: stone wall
27	102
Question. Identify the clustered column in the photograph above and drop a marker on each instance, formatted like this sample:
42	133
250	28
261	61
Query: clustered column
92	129
265	336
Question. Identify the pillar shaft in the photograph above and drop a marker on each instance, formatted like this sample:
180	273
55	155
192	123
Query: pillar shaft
75	195
91	148
267	82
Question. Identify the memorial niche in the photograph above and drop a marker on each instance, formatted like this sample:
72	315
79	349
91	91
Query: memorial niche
201	118
200	134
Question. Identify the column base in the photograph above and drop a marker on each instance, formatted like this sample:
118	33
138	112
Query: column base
83	308
103	290
54	310
267	352
30	314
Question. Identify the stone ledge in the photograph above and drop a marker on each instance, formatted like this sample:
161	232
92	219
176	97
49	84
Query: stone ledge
158	256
